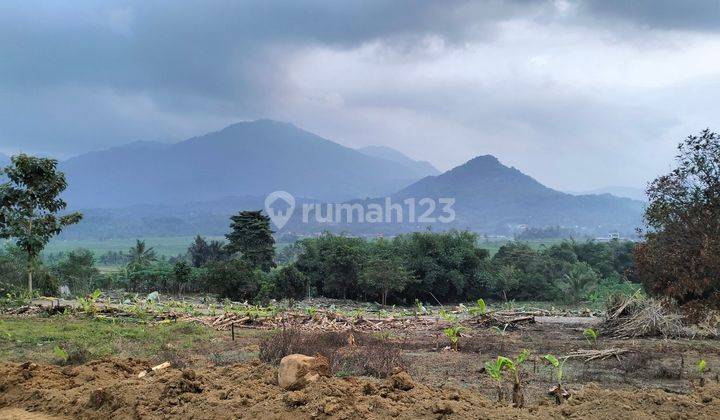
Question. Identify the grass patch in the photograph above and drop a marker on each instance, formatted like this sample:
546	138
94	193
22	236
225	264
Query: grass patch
36	338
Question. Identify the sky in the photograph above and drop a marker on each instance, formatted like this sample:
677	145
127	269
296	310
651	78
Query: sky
579	94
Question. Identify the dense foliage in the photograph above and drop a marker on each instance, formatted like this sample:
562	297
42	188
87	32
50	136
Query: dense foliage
29	206
680	257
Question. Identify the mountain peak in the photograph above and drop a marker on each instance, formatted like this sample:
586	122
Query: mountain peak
259	123
483	160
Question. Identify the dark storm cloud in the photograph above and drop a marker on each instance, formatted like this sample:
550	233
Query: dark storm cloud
543	78
698	15
68	65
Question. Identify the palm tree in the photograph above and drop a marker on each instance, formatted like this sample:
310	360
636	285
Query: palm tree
140	255
581	275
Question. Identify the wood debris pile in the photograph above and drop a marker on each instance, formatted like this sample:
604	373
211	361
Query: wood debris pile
325	321
635	317
590	355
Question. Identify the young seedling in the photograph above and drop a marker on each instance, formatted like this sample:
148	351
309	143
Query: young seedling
453	334
479	309
559	391
494	369
590	335
87	304
498	330
702	368
61	354
514	366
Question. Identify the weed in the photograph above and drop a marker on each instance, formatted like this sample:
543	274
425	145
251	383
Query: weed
590	335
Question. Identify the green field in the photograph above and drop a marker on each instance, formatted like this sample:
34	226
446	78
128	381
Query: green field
164	246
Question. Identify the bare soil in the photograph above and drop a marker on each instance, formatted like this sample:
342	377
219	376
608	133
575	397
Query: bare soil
222	378
110	388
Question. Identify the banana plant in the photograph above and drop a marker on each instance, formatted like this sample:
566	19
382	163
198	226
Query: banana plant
495	369
559	391
480	308
453	334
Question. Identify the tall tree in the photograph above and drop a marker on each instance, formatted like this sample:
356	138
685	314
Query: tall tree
680	257
141	256
252	239
201	252
30	205
198	251
384	272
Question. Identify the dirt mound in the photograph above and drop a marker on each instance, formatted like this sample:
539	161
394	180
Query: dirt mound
111	388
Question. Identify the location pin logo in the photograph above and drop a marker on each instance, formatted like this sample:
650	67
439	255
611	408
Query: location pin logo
280	205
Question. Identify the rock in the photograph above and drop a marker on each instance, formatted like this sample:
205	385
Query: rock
401	380
298	370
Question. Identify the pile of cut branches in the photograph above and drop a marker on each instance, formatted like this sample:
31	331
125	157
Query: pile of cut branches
634	316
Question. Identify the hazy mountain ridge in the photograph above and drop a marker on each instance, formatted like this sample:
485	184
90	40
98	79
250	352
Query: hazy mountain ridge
249	158
152	188
417	168
492	197
617	191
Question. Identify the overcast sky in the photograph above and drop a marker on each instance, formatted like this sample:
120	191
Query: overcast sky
579	94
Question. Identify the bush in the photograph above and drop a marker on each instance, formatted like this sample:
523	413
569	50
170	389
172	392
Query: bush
233	279
361	355
77	271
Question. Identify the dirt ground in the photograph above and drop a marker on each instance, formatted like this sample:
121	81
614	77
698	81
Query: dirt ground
653	378
111	388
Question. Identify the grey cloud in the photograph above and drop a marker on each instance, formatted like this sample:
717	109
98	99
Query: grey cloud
695	15
83	75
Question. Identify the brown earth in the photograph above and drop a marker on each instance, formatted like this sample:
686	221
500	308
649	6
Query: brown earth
110	388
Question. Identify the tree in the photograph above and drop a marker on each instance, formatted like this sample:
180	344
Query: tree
77	270
30	206
183	274
506	279
383	272
234	279
575	283
201	252
141	256
251	237
680	257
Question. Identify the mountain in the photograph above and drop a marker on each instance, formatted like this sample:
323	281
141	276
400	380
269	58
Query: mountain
617	191
244	159
415	168
491	197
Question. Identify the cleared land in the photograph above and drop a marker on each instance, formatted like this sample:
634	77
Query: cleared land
103	349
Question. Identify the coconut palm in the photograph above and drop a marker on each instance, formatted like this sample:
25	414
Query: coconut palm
578	279
141	255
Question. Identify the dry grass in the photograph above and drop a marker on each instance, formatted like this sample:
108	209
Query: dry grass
348	353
